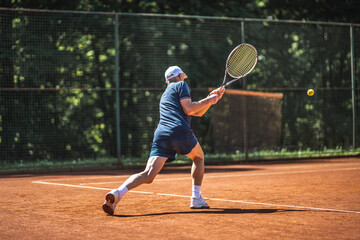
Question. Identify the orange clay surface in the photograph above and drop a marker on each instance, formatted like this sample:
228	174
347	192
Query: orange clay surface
307	199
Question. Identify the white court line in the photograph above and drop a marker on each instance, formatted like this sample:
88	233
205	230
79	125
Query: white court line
235	175
214	199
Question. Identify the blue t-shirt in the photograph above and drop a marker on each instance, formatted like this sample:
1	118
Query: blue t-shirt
174	122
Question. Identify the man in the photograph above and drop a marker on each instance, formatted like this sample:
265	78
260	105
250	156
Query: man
173	135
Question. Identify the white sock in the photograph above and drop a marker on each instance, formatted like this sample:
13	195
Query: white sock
196	191
123	190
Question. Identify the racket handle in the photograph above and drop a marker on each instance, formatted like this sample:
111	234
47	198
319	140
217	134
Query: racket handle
220	89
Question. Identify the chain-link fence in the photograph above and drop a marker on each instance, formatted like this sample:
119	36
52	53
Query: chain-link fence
84	87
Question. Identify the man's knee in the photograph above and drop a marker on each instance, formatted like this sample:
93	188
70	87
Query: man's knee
147	176
153	167
149	179
198	156
196	153
199	159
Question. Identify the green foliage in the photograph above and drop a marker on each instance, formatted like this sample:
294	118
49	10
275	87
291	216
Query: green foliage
74	55
320	10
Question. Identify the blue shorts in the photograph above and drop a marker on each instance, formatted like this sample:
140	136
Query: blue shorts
168	147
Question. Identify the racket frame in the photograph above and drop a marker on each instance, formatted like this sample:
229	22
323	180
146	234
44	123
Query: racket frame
237	77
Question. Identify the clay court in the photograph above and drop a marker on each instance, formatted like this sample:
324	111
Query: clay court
305	199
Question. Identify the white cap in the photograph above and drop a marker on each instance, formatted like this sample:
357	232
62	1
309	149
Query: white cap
173	71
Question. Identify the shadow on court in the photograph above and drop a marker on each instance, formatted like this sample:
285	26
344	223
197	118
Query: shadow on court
214	211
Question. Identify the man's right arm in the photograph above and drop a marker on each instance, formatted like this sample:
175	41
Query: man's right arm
199	108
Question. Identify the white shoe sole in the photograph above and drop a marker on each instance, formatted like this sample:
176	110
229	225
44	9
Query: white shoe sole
107	209
109	200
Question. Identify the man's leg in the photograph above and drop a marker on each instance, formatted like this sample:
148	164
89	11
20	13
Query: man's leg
197	174
198	166
153	167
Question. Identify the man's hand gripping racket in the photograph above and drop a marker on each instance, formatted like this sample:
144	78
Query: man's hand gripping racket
240	62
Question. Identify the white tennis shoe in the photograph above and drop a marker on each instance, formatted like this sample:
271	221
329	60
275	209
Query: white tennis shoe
112	199
197	203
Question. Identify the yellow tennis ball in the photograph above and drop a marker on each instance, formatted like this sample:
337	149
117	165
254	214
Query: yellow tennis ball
310	92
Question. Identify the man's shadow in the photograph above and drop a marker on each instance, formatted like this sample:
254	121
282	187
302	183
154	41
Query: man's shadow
214	211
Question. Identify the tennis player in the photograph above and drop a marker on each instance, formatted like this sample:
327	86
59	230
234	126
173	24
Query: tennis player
173	135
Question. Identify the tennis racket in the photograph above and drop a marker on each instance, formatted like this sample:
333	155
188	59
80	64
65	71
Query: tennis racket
240	62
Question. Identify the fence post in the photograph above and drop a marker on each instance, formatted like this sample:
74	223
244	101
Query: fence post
244	103
243	41
352	53
117	86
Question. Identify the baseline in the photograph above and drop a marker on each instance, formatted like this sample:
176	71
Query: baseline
213	199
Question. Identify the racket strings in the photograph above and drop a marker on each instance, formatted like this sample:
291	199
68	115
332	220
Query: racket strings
241	61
